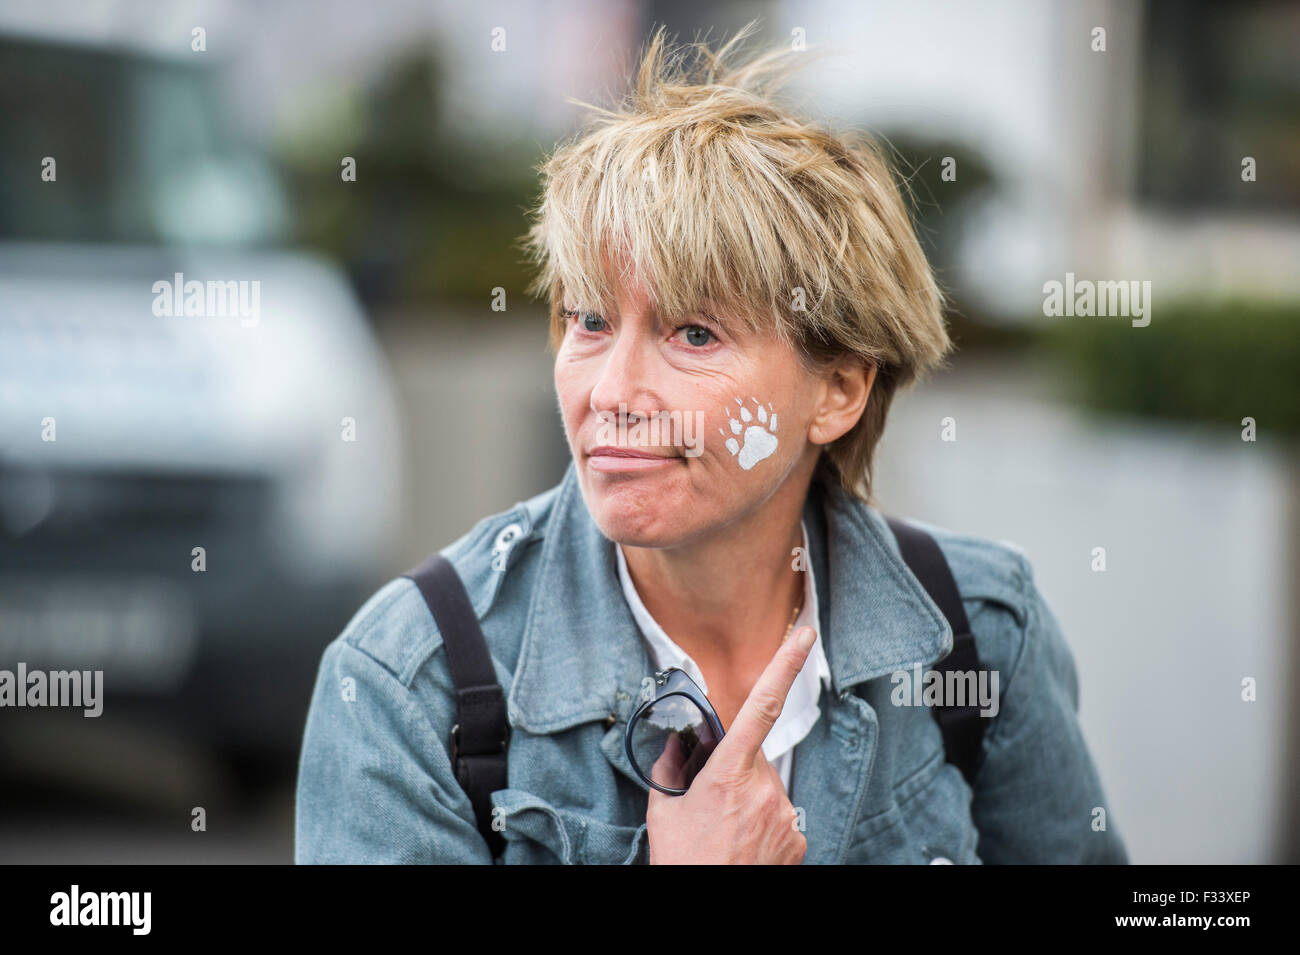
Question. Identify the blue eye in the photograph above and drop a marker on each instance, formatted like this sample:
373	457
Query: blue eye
697	335
590	320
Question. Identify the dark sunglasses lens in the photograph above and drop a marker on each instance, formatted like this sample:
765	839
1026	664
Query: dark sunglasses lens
671	740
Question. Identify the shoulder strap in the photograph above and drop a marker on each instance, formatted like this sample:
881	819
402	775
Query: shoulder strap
481	732
962	726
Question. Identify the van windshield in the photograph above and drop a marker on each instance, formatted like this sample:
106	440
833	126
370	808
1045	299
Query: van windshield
140	152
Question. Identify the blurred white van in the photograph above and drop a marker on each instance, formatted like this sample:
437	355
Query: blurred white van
193	499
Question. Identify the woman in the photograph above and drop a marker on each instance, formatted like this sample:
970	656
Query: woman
749	284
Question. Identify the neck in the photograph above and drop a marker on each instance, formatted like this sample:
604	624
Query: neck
727	599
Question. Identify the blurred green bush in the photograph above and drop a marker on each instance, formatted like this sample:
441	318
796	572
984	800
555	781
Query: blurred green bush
1200	360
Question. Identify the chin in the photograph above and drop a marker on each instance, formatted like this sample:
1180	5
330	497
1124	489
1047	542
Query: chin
637	513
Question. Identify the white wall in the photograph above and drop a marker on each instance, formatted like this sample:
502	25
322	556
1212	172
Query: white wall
1194	597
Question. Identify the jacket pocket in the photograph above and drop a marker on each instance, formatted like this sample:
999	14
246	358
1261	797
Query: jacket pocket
928	821
539	833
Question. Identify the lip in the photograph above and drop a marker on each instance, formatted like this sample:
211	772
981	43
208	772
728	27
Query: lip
608	458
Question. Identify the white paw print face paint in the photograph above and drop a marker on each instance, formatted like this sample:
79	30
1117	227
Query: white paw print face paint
751	440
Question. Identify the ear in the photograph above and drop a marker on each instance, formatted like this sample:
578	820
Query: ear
846	386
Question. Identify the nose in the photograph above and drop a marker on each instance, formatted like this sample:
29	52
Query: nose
625	384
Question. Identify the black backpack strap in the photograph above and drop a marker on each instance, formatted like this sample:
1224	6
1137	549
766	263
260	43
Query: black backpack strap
962	726
481	733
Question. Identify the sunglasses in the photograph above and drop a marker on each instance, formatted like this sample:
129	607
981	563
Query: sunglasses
670	737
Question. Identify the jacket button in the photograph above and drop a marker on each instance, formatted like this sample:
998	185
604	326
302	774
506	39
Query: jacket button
501	546
941	860
610	720
507	537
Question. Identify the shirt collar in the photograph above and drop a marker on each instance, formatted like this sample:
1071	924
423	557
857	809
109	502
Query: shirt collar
582	657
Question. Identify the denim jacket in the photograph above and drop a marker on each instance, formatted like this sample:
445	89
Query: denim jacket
376	783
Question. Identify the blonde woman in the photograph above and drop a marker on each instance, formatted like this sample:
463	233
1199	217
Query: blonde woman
706	644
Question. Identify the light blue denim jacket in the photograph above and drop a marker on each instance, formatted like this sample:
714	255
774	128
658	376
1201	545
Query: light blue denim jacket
375	779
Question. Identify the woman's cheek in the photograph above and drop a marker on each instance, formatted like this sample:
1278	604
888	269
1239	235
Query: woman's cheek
573	401
752	434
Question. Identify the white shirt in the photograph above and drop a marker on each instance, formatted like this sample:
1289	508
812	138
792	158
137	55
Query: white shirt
801	709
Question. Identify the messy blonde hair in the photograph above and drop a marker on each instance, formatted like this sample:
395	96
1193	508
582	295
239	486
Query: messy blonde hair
725	203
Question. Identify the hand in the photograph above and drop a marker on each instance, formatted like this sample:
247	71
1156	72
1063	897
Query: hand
736	810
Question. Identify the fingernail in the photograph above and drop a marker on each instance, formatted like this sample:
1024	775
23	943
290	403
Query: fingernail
807	636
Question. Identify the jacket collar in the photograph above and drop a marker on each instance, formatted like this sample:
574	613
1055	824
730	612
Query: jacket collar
582	658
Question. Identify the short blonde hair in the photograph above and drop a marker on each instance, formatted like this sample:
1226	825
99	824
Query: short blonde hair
728	204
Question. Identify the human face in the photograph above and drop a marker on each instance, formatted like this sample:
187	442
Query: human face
742	404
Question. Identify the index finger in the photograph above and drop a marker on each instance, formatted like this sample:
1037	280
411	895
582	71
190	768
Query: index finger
765	701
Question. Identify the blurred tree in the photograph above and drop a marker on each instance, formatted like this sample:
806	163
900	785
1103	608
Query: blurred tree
942	180
417	225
